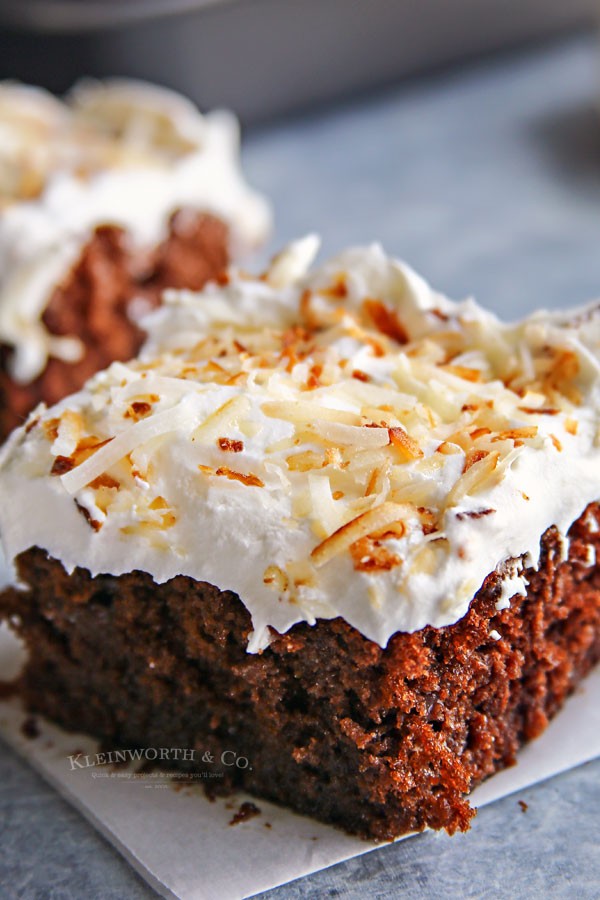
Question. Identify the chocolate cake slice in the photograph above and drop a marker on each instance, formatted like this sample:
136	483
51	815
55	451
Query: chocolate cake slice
331	522
106	200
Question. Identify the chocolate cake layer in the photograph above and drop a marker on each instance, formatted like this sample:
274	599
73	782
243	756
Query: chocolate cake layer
95	302
378	741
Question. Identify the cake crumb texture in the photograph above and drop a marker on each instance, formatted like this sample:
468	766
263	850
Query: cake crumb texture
378	741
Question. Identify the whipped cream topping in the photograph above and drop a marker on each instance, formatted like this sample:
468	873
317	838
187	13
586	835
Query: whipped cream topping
119	152
346	442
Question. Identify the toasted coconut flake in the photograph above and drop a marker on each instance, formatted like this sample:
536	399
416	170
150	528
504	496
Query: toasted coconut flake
407	446
174	419
379	483
385	416
226	414
472	457
249	480
372	483
229	445
361	436
32	423
69	433
516	434
305	461
376	346
105	481
561	375
326	513
557	444
158	503
429	520
303	413
396	530
334	458
338	289
463	372
571	426
213	368
314	377
309	316
386	320
478	477
287	443
419	491
138	410
94	524
363	525
62	465
447	449
369	555
364	461
539	410
276	578
479	432
293	262
301	573
475	514
86	447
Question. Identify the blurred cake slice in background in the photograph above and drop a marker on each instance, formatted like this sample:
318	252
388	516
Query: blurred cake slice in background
106	199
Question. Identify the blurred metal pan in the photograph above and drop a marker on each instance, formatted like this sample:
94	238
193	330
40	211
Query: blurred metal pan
264	58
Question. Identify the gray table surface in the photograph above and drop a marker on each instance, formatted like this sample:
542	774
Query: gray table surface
488	181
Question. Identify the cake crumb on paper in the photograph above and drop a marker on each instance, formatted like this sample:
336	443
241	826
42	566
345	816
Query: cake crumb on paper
246	811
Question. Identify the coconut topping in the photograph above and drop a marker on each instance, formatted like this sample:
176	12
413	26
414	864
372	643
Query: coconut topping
118	153
242	449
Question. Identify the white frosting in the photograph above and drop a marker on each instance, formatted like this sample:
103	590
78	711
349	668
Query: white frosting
590	558
350	443
513	584
121	153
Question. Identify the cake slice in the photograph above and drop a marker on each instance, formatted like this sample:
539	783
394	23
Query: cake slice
329	523
105	200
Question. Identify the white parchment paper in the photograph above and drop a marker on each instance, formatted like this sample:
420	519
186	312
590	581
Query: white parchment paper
184	845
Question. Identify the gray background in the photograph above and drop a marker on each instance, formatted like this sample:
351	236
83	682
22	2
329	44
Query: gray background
488	181
265	57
